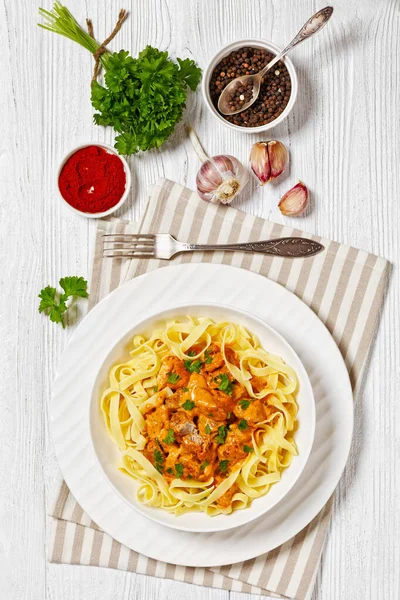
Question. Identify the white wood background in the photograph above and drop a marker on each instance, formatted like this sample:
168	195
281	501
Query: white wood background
344	141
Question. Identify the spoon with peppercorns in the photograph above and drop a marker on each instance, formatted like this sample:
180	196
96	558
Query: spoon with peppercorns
243	91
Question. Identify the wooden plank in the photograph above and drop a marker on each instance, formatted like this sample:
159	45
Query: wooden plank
344	142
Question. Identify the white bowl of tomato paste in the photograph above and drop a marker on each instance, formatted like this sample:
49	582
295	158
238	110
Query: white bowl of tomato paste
93	180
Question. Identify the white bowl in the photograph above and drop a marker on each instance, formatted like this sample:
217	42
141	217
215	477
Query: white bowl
227	50
108	454
124	196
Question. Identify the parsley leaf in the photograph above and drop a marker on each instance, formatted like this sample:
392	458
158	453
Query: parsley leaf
189	73
74	286
204	465
244	404
224	383
242	425
188	405
222	433
179	470
185	389
158	461
53	305
173	377
247	448
193	366
47	298
170	438
155	389
191	353
223	465
208	358
170	470
207	428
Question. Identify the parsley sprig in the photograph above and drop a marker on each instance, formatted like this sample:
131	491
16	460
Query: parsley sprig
208	358
222	433
188	405
244	404
169	438
173	377
158	461
223	465
224	383
193	366
54	304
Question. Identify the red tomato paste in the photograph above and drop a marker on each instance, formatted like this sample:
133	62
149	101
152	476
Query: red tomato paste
92	180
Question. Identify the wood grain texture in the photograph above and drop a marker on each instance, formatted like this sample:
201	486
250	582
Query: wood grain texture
344	141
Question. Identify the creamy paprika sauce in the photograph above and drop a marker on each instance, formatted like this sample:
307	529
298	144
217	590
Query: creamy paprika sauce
201	424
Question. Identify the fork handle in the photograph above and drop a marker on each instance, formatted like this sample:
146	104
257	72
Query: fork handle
286	247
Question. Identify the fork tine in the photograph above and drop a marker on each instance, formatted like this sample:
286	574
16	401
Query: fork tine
111	254
129	243
131	236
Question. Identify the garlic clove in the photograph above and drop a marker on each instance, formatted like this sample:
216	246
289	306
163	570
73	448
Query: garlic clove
295	201
268	160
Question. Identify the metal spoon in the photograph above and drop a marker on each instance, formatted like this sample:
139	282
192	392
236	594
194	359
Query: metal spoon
314	24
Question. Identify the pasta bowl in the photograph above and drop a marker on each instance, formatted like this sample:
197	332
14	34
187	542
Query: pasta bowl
109	456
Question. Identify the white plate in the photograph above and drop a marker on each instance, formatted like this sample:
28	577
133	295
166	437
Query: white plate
202	283
109	455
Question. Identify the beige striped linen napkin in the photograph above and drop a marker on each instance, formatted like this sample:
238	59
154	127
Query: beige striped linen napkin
344	286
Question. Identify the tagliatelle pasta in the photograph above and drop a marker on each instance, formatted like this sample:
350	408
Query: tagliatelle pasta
204	416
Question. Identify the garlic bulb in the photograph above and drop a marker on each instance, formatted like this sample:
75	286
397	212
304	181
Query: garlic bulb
268	160
295	201
221	177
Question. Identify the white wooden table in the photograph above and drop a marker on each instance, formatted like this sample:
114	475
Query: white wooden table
344	140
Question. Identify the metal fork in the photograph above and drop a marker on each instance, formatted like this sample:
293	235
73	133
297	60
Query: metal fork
165	246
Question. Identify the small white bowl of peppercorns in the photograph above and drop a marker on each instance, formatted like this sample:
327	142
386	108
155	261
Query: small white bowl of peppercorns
277	94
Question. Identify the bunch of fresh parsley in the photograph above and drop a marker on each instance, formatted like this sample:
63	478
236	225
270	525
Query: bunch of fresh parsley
143	98
55	305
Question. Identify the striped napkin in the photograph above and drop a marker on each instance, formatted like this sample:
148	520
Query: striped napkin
344	286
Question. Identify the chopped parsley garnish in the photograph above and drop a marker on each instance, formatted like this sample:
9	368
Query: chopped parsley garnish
191	353
210	415
244	404
224	383
189	476
185	389
155	389
179	470
173	377
207	428
170	438
247	448
170	470
188	405
204	465
208	358
222	433
242	424
228	416
223	465
193	366
159	461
